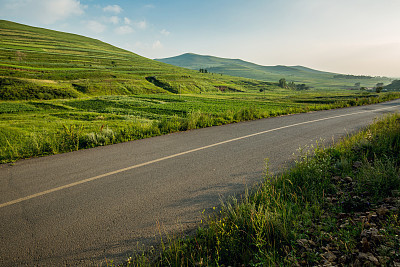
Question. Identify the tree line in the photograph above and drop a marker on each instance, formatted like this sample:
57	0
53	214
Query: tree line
292	86
344	76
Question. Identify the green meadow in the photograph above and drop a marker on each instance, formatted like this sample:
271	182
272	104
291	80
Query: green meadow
32	128
62	92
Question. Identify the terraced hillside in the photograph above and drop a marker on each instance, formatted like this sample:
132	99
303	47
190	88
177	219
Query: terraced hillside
37	63
298	74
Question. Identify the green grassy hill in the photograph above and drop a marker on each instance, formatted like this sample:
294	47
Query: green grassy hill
298	74
38	63
394	86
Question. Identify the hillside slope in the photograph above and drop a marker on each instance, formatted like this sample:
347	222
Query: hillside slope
297	74
41	63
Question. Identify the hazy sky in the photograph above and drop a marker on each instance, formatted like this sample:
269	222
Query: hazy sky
345	36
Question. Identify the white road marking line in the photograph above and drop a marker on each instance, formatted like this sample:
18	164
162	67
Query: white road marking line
176	155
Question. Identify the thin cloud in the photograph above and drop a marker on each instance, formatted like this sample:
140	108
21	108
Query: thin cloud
141	24
157	45
95	26
165	32
126	29
43	11
127	21
113	19
113	9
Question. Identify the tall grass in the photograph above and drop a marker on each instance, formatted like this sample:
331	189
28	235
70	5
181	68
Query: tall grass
36	128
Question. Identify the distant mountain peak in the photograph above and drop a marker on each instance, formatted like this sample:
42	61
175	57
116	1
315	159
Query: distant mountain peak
238	67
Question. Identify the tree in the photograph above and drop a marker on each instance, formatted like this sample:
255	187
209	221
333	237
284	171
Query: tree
203	70
379	85
357	85
378	89
291	85
393	86
302	86
282	83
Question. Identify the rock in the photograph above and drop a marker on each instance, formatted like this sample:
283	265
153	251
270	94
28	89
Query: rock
302	242
348	179
373	259
365	246
368	258
362	256
342	259
368	233
382	211
329	256
312	243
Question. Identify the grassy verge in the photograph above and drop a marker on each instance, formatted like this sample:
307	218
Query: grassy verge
37	128
339	206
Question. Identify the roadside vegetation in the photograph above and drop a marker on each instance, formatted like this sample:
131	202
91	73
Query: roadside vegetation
35	128
338	206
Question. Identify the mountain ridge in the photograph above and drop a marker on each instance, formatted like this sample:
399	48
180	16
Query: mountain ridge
221	61
240	68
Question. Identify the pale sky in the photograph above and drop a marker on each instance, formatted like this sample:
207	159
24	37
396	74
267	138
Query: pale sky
343	36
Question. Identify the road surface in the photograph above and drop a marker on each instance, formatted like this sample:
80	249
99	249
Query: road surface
83	207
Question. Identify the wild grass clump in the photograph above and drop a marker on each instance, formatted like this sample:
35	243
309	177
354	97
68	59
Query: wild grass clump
70	138
319	212
104	137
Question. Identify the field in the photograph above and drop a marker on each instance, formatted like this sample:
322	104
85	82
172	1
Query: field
44	127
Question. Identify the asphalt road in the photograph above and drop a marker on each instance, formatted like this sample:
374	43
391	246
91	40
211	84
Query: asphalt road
83	207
